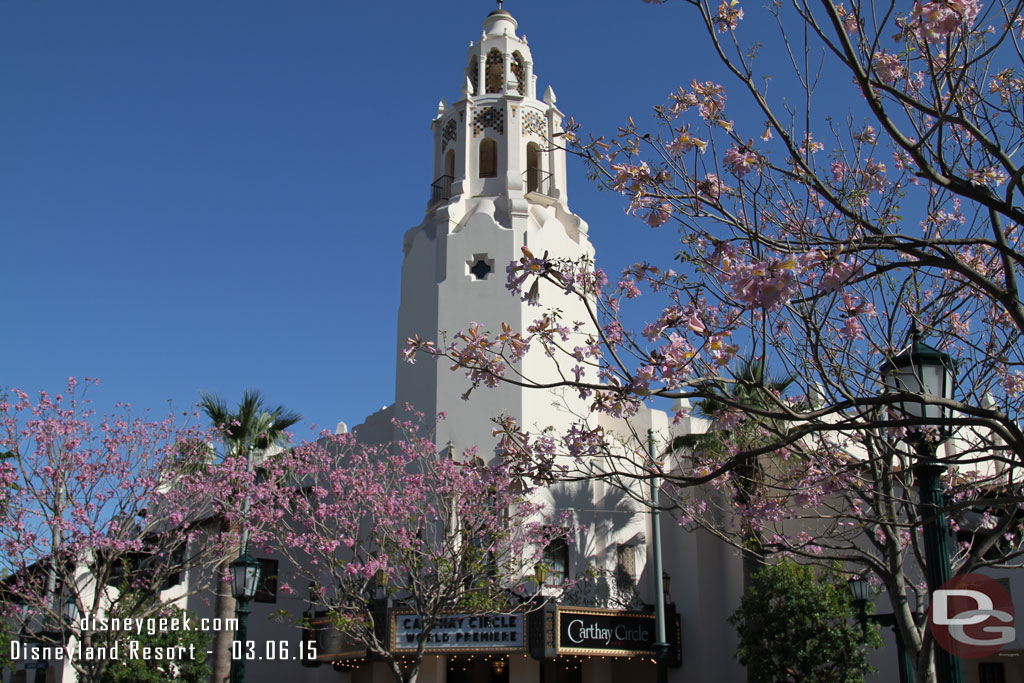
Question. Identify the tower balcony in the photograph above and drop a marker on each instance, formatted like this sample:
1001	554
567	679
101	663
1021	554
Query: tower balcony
539	181
441	189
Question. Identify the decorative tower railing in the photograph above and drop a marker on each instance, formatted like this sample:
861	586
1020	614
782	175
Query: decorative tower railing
540	181
441	189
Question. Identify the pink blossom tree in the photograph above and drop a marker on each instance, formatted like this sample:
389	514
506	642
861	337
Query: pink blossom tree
104	514
814	241
405	525
851	500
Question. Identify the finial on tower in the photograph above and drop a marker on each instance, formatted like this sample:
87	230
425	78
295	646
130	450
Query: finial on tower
499	3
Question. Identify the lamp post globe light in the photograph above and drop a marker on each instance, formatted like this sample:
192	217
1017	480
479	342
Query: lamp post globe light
917	372
245	572
69	610
859	593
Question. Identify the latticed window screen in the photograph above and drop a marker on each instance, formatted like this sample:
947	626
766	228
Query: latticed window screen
519	70
625	565
495	72
474	76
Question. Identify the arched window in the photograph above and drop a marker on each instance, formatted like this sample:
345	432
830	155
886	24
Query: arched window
495	75
488	158
519	69
533	170
474	74
449	163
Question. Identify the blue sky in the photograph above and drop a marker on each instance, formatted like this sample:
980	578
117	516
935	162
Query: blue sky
211	196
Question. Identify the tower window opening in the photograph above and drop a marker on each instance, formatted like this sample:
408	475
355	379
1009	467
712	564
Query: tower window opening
625	566
480	266
533	170
449	164
480	270
474	75
488	158
495	74
519	69
555	561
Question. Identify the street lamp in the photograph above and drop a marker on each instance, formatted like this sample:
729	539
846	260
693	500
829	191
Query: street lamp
917	372
661	644
246	574
860	593
70	611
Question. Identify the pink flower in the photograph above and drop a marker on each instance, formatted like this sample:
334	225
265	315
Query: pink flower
837	275
710	188
992	176
741	161
764	284
935	20
729	15
867	135
850	23
852	329
889	68
659	215
1013	384
685	142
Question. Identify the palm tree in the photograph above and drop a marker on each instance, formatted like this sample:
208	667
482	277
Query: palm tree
252	427
750	386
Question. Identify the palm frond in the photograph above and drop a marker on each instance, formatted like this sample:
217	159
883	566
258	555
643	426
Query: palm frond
251	425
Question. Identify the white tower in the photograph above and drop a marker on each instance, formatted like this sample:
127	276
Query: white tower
499	185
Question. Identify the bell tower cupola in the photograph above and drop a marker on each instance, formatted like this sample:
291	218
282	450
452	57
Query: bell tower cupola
497	139
498	185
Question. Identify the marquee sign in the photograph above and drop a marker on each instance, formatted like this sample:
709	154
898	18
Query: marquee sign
457	633
605	632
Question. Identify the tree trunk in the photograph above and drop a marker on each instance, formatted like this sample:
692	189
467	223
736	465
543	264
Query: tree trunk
753	560
753	545
220	663
405	677
924	665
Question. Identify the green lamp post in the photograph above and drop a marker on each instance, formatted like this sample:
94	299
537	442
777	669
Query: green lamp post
859	591
915	373
245	572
